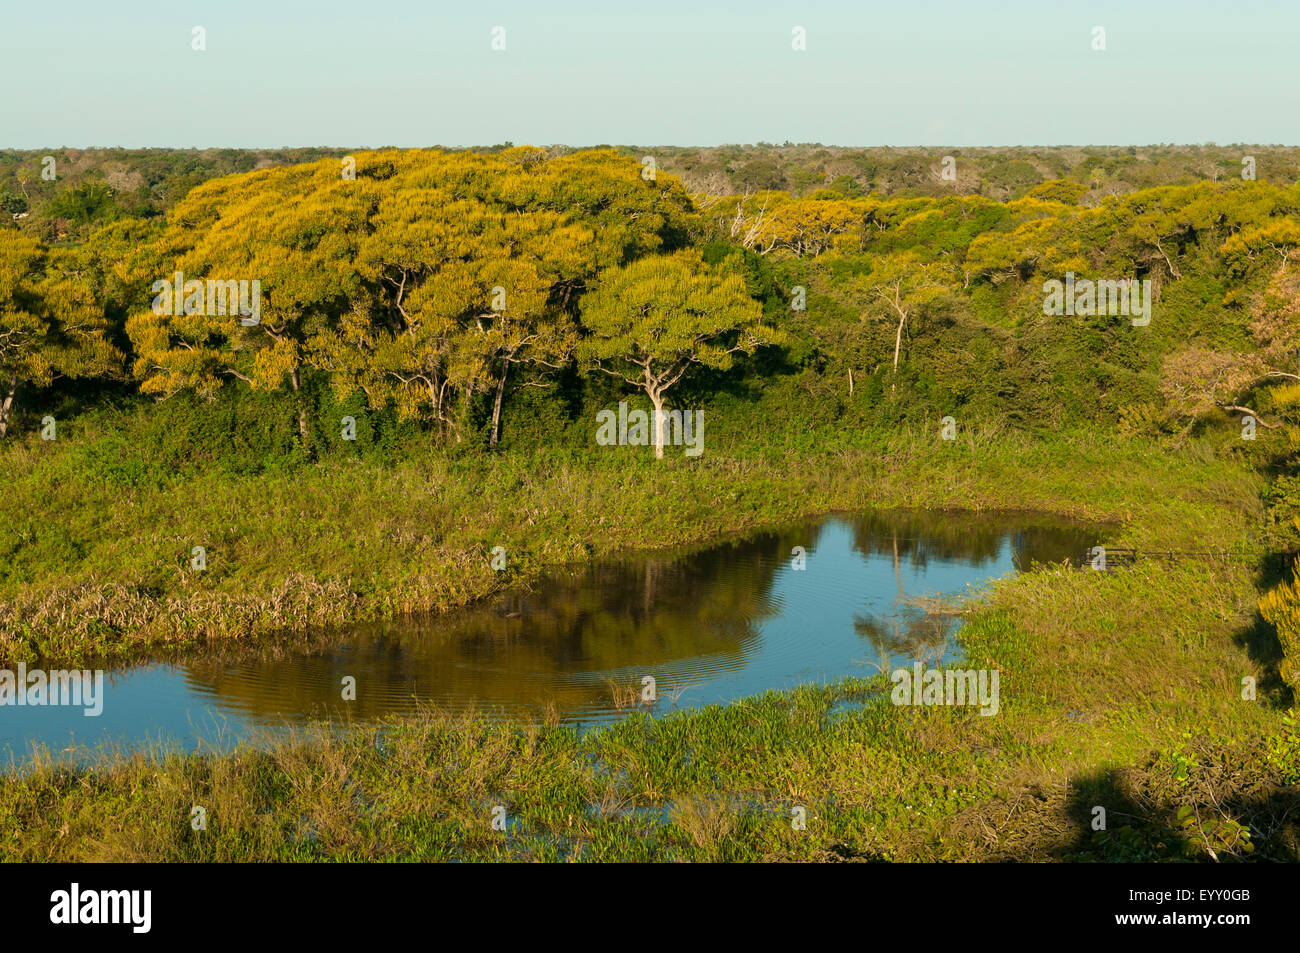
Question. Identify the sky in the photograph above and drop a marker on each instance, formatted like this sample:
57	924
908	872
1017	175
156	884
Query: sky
404	73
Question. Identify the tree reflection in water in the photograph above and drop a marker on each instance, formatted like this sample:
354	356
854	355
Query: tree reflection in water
720	623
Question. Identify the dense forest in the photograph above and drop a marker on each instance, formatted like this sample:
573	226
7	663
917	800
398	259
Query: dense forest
970	254
862	303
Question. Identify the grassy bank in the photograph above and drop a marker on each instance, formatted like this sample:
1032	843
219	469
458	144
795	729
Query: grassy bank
97	559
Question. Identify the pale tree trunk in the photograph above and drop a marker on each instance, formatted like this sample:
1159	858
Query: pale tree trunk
898	343
6	405
655	386
496	405
657	398
1228	407
302	411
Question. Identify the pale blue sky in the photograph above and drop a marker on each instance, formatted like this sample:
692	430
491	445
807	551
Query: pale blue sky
405	73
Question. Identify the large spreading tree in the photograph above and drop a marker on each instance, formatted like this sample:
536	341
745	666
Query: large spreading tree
424	281
652	321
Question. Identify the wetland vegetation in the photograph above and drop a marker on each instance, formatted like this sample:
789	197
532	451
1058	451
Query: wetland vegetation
853	350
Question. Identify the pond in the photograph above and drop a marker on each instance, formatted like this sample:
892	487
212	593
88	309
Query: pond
710	625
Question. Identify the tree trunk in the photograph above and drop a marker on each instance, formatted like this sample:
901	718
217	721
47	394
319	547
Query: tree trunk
302	411
6	405
657	399
898	343
496	405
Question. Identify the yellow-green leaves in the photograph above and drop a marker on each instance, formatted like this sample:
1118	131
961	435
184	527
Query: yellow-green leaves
426	279
651	320
51	322
1241	251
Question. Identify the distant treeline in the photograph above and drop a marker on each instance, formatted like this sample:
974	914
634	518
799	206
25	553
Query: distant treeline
92	186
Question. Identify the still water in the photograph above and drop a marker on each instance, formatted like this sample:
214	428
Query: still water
708	625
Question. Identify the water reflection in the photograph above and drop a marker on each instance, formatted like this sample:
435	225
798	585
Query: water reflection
922	628
709	626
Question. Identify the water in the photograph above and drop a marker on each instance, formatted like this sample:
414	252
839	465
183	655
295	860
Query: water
709	626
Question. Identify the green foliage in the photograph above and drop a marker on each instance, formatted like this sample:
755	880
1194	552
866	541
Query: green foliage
1284	748
84	203
1012	176
1058	190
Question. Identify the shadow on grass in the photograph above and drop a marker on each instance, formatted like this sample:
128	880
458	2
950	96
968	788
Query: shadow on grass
1260	642
1142	829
